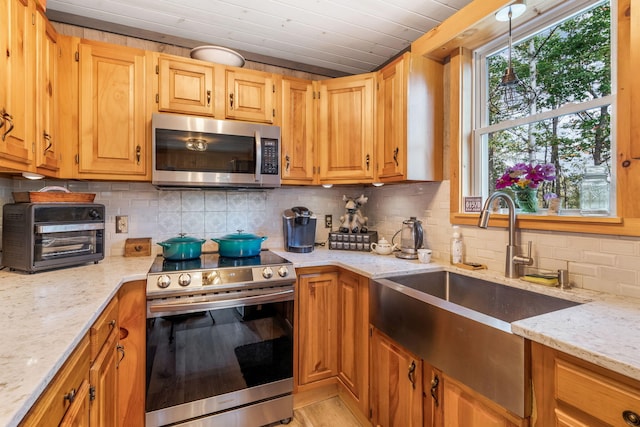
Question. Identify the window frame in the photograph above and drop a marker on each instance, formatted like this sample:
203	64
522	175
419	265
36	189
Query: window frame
479	184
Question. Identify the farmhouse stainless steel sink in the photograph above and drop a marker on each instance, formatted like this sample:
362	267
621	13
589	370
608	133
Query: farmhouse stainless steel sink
461	325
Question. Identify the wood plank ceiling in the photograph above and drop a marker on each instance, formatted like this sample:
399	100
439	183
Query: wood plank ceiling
340	37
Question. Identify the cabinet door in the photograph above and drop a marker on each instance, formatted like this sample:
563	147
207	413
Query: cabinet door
462	407
250	96
396	384
78	413
318	326
353	321
132	348
16	84
297	131
46	142
113	141
185	86
103	376
392	128
346	129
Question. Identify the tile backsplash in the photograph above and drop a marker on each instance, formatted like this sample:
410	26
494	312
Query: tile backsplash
603	263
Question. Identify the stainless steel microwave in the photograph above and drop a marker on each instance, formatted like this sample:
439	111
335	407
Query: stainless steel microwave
191	151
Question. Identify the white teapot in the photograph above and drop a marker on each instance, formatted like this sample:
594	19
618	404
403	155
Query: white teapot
383	247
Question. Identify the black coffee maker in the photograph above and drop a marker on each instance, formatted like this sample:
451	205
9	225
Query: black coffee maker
299	225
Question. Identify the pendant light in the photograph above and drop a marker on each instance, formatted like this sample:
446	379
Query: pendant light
510	86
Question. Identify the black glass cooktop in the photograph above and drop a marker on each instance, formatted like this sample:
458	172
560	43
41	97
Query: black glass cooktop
213	260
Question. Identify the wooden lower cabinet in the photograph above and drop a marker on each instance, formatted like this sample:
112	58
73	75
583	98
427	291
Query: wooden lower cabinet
396	384
317	327
572	392
102	382
462	406
353	321
65	399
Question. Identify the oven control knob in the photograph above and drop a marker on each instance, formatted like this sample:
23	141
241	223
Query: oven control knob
164	281
211	278
267	273
283	271
184	279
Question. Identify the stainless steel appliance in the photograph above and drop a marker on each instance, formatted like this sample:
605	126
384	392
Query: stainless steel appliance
190	151
42	236
220	341
299	229
411	238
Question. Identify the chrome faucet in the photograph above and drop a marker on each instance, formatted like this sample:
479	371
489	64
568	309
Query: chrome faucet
513	260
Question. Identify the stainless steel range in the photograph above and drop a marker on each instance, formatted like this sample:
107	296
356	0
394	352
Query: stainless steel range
220	341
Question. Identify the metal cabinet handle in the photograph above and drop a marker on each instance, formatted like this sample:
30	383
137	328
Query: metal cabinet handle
71	396
208	98
287	162
368	159
434	389
120	349
231	100
631	418
412	374
8	118
47	139
138	153
112	323
395	155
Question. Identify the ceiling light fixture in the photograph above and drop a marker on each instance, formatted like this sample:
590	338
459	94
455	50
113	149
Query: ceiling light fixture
509	84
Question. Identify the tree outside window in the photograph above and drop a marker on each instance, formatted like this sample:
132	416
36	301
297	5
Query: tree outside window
563	116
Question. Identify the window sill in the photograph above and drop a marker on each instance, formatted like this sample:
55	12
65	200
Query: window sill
571	224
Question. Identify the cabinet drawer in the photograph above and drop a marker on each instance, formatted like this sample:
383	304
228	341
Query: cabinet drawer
100	330
52	404
595	394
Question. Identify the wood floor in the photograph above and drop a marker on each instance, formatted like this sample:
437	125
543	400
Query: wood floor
327	413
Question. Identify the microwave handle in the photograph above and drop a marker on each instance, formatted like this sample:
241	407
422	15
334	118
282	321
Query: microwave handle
258	156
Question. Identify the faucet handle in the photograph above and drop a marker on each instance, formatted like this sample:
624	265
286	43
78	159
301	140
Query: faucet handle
529	249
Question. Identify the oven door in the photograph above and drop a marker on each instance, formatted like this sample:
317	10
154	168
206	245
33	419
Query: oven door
220	361
61	244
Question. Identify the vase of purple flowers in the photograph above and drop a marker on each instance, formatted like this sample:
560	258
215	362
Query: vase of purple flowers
524	179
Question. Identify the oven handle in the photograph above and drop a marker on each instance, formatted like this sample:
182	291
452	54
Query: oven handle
58	228
212	305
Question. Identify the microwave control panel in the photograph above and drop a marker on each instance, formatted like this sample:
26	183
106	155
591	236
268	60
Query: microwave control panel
270	157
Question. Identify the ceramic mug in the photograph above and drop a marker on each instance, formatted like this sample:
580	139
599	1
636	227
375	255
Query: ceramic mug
424	255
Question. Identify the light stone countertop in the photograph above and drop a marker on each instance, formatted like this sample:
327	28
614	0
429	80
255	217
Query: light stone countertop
46	314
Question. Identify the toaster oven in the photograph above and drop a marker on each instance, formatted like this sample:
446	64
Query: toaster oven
42	236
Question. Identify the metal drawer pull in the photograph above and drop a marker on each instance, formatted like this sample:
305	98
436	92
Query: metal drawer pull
71	396
434	388
631	418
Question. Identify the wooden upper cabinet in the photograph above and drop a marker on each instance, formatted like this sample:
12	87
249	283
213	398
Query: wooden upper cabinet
297	124
185	86
346	129
250	95
47	154
112	118
410	129
16	84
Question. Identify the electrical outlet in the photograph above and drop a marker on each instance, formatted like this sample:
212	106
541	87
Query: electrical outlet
122	224
328	221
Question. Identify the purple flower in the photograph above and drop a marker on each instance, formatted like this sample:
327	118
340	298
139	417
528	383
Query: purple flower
526	175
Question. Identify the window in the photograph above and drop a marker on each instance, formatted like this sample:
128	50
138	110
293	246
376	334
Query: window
560	112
